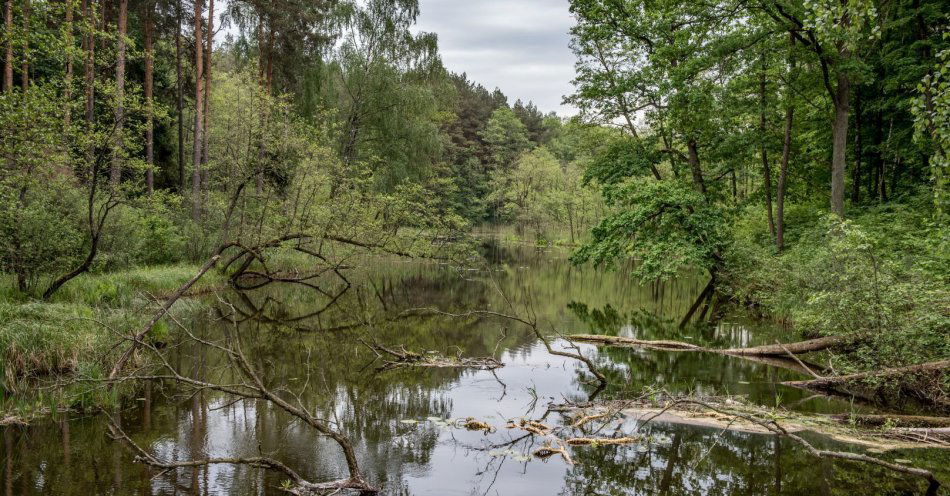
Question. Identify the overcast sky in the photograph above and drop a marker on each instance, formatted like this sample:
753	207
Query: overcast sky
520	46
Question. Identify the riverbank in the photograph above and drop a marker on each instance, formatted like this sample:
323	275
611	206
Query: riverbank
883	277
74	335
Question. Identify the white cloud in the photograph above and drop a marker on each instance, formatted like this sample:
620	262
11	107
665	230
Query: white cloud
520	46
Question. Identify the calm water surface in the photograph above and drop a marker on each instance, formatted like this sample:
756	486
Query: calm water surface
395	417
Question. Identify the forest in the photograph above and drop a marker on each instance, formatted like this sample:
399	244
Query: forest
272	247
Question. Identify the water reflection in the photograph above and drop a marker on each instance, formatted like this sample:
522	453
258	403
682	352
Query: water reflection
388	415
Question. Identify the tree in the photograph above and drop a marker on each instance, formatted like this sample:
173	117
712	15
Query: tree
199	120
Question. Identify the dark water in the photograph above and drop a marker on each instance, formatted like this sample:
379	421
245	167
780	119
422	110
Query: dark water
396	418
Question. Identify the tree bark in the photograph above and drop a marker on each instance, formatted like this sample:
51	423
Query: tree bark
179	101
149	110
115	174
766	170
840	142
8	64
199	112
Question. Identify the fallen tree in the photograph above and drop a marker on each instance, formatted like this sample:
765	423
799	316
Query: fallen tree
771	350
730	414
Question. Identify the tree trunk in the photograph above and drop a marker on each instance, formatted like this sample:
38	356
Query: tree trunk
68	79
179	103
115	174
858	151
766	170
25	68
881	174
89	75
199	108
694	166
840	142
207	102
8	64
149	111
786	150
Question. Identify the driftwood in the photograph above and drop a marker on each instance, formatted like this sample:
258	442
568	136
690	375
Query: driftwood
406	358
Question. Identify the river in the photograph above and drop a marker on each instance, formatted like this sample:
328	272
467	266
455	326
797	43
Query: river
400	420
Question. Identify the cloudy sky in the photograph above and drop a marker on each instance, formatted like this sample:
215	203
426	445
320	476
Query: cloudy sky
520	46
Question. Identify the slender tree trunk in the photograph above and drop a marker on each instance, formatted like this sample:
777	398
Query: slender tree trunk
840	142
199	111
270	61
179	103
8	64
207	102
25	68
786	151
89	76
694	166
881	175
68	79
766	170
858	151
115	174
149	110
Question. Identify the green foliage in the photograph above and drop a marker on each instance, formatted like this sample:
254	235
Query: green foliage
665	226
932	125
881	276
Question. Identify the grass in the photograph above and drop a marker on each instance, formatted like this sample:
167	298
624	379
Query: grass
74	334
41	339
129	287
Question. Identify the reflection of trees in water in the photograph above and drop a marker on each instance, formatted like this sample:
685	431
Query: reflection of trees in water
630	370
711	462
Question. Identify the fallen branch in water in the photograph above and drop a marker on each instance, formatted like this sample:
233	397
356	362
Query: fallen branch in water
830	382
771	350
672	407
120	363
600	441
406	358
905	421
300	486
